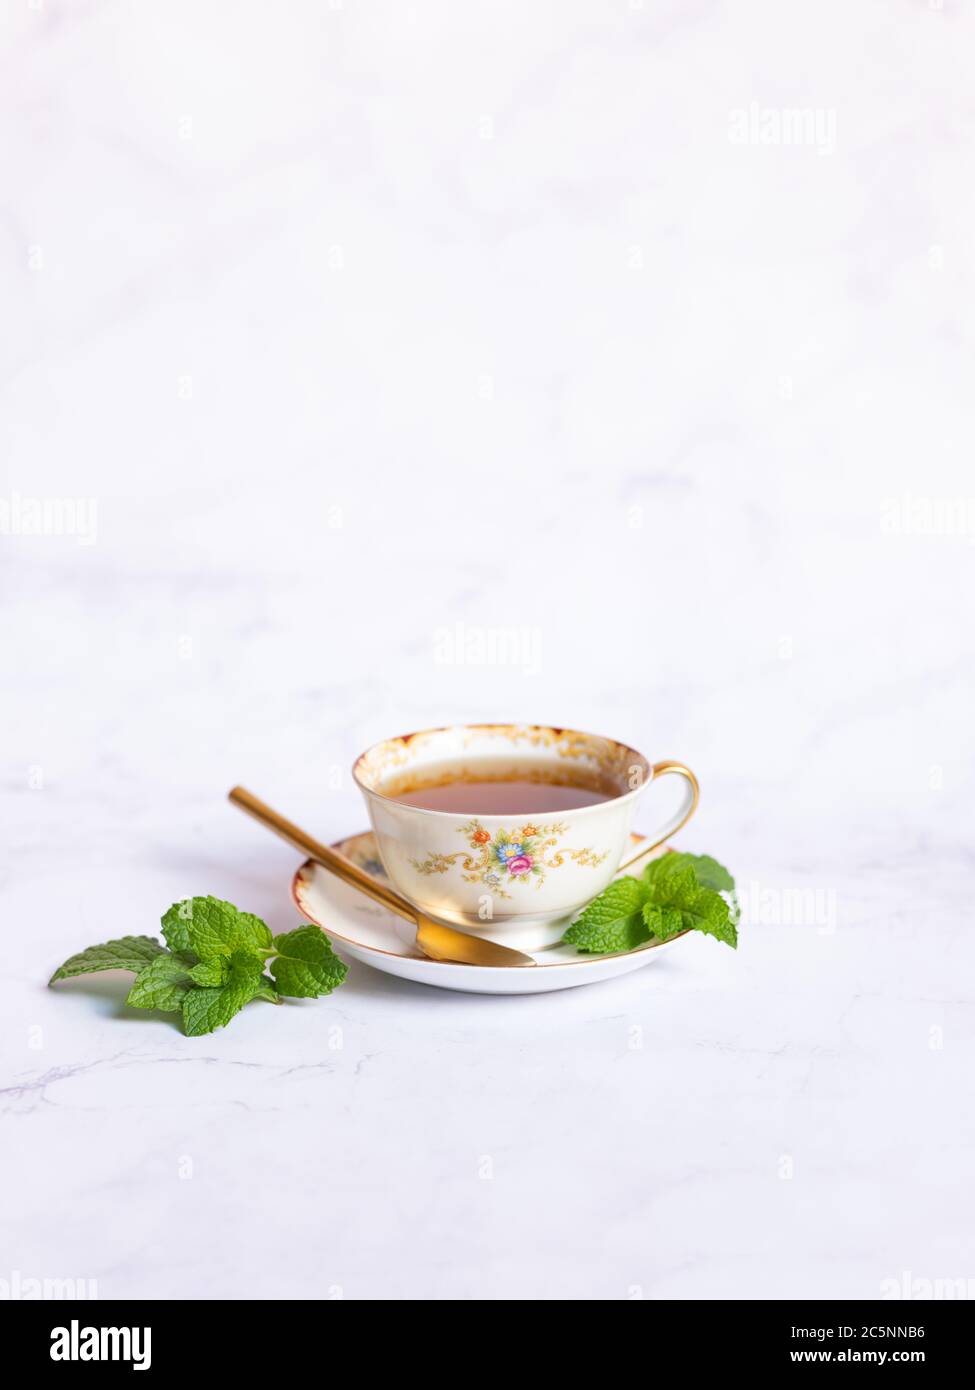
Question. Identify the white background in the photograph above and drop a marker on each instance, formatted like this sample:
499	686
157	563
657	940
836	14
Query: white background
357	321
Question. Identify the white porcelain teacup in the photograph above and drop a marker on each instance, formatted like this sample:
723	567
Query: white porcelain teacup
514	878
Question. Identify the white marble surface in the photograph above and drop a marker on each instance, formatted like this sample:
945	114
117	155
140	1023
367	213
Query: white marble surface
358	321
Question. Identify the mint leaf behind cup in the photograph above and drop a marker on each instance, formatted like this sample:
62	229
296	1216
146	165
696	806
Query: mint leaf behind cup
682	895
676	893
708	872
613	921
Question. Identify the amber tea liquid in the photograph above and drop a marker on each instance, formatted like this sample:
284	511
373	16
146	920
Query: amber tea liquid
488	789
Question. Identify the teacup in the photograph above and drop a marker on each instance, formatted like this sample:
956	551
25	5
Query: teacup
513	877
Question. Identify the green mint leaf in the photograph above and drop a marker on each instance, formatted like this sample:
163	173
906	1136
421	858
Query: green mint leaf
677	901
175	925
211	928
161	984
126	953
613	921
212	973
663	922
206	1009
267	991
708	872
305	965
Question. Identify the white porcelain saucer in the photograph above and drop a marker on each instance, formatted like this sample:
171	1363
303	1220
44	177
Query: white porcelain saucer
367	932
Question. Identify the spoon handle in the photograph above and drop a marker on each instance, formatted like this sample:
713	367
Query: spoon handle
336	863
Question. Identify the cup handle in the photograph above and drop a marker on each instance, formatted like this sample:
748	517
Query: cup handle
692	794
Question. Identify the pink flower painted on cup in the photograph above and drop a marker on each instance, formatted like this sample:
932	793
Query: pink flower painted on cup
520	865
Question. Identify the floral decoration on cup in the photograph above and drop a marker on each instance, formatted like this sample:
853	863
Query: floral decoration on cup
510	856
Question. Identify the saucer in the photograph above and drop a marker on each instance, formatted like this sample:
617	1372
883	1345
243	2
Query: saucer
372	934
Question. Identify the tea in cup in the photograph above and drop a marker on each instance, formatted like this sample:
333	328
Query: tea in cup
507	830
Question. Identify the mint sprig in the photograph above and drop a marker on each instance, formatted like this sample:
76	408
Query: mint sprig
213	963
676	893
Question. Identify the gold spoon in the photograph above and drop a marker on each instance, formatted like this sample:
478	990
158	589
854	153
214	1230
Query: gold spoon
434	940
